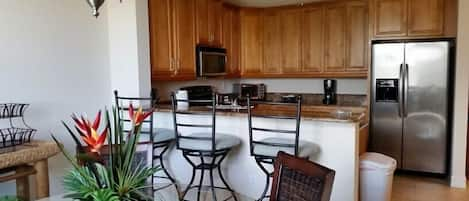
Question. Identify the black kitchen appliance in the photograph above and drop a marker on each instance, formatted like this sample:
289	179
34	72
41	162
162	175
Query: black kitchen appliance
292	98
254	91
227	99
202	92
330	94
211	61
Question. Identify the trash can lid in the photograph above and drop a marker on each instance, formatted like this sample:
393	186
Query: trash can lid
372	160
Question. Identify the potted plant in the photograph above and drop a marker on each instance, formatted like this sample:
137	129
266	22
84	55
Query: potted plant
9	198
120	179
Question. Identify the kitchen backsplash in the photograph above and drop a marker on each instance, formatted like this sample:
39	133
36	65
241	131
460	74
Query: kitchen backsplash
297	86
316	99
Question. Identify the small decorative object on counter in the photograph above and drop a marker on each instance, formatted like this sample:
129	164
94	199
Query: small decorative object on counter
121	178
14	135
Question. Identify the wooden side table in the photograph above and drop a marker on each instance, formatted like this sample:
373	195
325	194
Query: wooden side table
26	160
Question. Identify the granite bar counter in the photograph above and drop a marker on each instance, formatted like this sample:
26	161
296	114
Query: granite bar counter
337	141
334	113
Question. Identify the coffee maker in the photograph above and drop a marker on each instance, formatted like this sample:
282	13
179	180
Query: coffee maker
330	87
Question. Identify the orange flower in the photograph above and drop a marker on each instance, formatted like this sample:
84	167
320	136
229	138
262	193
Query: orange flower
89	134
139	116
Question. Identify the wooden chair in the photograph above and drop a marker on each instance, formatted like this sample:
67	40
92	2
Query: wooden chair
297	179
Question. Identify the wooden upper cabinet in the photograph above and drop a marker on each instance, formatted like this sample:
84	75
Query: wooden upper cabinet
357	39
251	42
312	39
161	39
272	45
209	18
172	39
231	39
425	17
390	18
235	43
291	24
203	35
215	17
413	18
184	12
335	34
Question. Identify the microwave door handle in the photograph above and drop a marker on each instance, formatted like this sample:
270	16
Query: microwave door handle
201	72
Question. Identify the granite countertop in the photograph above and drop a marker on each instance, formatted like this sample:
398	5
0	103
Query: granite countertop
309	112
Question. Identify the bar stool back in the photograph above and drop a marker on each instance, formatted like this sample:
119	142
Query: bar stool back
161	139
210	148
265	149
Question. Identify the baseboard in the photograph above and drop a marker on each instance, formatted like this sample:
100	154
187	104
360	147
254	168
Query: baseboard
458	181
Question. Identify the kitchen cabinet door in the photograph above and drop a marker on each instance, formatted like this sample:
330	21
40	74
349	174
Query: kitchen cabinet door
291	21
335	33
236	43
272	42
215	17
313	39
425	17
185	37
357	40
203	35
251	42
161	39
231	39
390	18
209	18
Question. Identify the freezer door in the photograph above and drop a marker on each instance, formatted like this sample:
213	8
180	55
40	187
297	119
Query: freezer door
426	108
386	121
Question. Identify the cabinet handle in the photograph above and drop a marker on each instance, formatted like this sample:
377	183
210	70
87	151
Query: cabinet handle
171	64
176	64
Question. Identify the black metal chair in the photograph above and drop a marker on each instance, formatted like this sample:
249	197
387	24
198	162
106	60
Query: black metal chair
209	147
264	149
297	179
160	138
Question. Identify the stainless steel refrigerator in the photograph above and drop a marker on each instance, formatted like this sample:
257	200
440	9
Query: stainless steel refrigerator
410	103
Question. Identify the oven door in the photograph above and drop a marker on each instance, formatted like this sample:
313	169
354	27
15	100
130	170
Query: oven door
212	64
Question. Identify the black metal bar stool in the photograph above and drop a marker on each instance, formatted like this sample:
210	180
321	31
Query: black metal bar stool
209	147
264	149
160	138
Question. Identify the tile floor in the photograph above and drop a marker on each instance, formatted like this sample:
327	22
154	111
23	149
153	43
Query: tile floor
414	188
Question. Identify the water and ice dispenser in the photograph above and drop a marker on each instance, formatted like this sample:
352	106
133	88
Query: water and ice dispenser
387	90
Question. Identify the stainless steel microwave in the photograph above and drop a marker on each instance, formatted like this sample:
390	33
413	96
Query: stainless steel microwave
211	61
254	91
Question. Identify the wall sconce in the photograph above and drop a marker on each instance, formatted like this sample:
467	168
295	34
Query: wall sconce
95	5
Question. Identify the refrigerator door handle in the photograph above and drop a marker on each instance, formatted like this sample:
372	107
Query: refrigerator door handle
401	90
406	89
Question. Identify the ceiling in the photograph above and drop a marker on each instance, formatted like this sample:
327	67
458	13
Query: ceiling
268	3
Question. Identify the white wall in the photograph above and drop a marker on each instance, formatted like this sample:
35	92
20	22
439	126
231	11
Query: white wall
458	162
54	55
129	51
